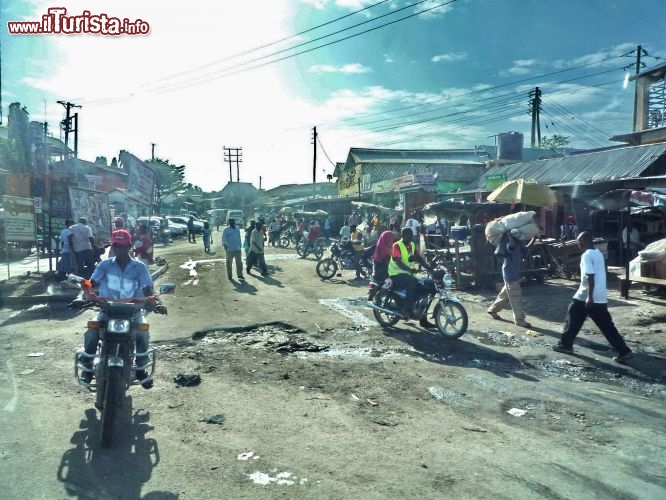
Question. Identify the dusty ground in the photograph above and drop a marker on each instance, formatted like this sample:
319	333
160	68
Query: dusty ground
314	400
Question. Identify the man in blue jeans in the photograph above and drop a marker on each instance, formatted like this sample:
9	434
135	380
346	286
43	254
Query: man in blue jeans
591	299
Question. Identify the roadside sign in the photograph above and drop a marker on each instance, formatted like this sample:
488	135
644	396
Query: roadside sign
38	205
19	218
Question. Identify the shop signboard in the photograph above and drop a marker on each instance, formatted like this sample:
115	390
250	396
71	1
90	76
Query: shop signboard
140	180
94	206
493	181
19	218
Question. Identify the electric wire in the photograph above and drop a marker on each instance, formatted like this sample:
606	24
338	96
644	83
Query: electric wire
516	82
276	42
232	71
439	129
325	153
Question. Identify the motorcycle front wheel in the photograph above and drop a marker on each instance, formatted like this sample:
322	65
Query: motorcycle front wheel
386	300
284	241
319	252
113	390
451	319
326	268
300	249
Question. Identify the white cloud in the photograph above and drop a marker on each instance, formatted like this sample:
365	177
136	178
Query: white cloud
388	58
436	11
450	57
317	4
346	69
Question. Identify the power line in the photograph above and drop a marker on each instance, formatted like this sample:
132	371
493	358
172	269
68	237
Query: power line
232	71
276	42
589	125
504	85
441	129
322	148
509	98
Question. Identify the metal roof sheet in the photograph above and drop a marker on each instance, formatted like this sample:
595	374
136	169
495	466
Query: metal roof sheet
600	166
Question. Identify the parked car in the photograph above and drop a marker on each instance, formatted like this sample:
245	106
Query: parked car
180	219
177	230
153	223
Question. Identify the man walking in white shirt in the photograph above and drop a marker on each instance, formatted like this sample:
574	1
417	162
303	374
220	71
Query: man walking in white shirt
591	299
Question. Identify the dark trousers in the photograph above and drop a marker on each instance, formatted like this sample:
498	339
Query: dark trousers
256	258
576	316
379	272
191	236
408	283
85	263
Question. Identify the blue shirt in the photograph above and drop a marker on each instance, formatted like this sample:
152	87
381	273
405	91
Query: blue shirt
118	284
231	237
511	266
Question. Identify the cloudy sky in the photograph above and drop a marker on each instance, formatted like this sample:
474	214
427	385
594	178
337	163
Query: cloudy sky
259	75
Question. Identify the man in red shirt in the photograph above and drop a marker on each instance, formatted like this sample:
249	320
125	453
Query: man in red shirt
313	233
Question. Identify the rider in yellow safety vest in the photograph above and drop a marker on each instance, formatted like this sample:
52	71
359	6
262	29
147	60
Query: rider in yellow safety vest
404	256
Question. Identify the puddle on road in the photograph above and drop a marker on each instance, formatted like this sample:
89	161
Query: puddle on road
344	306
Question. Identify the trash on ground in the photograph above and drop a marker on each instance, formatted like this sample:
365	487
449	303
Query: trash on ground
248	455
187	380
35	354
213	419
517	412
27	372
293	345
282	478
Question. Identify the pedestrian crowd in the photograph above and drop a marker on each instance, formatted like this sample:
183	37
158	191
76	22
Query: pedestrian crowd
396	254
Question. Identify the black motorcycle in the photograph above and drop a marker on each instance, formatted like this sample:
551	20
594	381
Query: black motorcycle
449	314
343	257
113	366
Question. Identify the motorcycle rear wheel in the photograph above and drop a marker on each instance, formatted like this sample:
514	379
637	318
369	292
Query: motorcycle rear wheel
326	268
319	252
387	301
451	319
284	241
112	395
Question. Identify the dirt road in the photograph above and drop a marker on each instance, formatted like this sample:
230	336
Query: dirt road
302	395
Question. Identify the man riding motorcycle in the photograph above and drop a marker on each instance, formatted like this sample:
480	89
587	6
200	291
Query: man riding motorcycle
400	269
121	277
313	234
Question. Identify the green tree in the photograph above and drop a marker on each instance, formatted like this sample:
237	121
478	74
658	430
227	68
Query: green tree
553	142
170	178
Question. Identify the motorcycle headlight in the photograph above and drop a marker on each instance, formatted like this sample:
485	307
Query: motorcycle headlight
118	326
448	281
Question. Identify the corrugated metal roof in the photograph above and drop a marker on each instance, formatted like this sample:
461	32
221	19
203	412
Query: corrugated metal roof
362	155
585	168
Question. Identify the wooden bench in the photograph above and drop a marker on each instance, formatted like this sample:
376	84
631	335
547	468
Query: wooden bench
625	284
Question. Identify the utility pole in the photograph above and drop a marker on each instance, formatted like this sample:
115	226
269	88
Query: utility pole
66	125
639	52
260	183
535	109
314	162
152	155
233	155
